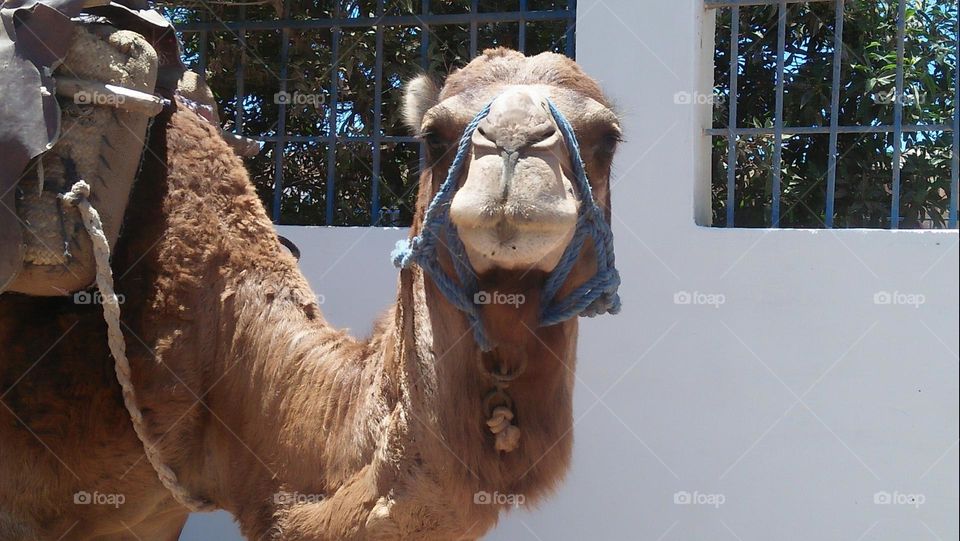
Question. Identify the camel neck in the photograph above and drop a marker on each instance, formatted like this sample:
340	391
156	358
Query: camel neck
447	384
301	398
293	400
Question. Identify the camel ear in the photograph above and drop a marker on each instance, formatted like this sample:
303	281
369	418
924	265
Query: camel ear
421	94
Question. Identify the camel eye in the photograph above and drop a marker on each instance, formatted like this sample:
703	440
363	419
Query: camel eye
607	144
436	144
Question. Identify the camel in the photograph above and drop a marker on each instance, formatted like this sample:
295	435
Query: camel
259	405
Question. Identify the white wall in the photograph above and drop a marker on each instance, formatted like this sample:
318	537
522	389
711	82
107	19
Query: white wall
794	401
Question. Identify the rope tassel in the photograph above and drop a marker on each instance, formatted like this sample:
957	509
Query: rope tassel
598	295
507	434
78	196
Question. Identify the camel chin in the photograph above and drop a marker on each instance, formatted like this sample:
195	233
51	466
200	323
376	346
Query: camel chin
517	207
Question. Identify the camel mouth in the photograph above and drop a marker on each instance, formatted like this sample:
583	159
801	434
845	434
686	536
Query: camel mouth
516	233
505	246
515	212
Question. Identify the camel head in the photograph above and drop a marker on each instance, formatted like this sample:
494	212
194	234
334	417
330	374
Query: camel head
516	204
506	136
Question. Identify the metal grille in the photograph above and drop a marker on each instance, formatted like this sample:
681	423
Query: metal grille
345	16
733	132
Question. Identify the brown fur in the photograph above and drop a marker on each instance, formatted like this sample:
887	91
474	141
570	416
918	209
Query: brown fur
252	393
504	66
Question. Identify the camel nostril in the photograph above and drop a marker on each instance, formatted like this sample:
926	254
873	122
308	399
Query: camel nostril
514	138
516	120
541	133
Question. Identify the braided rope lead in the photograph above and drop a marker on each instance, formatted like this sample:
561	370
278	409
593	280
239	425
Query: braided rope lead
79	196
596	296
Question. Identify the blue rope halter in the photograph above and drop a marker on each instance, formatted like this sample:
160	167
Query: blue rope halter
596	296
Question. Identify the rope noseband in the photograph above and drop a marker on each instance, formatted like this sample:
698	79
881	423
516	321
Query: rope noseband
596	296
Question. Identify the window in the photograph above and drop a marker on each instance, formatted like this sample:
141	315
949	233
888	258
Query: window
319	82
842	114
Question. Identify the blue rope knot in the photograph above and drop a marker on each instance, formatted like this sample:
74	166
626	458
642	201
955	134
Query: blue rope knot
598	295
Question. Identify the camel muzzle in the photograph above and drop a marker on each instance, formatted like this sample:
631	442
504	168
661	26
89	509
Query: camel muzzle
516	207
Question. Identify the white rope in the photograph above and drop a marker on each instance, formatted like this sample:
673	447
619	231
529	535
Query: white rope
77	196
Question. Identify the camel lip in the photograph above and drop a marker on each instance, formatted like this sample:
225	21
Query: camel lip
506	225
505	231
504	245
509	234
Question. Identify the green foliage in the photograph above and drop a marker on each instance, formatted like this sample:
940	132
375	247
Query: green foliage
312	71
868	69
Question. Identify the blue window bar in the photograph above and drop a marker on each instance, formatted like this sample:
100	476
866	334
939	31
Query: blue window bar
734	132
347	15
